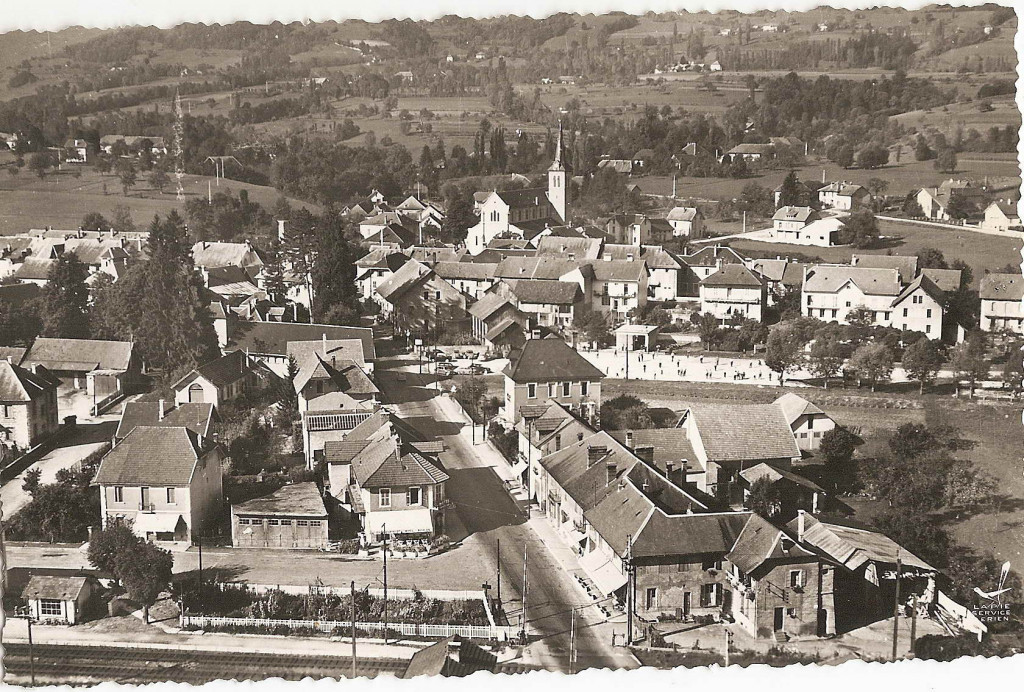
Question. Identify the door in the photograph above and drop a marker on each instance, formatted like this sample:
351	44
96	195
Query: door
780	614
686	603
195	394
145	499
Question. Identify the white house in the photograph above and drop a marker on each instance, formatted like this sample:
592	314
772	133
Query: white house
843	196
686	221
1002	216
1001	306
808	422
734	292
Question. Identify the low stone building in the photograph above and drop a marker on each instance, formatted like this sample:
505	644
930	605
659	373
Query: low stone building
293	516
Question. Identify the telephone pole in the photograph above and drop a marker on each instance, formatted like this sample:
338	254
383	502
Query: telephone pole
499	574
629	590
353	630
526	562
385	529
896	607
913	622
572	641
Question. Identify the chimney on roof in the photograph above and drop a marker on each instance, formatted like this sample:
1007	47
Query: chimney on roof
646	453
324	341
800	515
280	229
579	436
162	411
10	359
629	439
594	454
611	470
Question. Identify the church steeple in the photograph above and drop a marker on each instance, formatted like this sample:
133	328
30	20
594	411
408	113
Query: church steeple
557	180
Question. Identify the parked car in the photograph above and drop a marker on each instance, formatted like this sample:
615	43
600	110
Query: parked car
445	369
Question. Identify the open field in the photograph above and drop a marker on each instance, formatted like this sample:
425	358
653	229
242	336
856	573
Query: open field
60	201
981	252
601	99
945	119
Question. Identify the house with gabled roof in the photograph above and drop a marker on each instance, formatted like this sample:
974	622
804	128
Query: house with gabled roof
100	367
705	262
58	599
921	307
844	196
197	417
220	380
387	478
666	271
727	438
28	406
734	292
268	342
470	278
244	255
1002	303
619	286
547	303
331	367
1002	215
577	382
544	429
831	292
906	265
417	301
166	481
781	589
497	323
687	222
808	422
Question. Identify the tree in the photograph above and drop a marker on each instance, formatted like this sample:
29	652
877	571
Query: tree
931	258
625	412
961	207
594	326
103	165
922	152
872	156
470	393
159	179
945	162
836	450
708	330
122	221
872	361
789	193
922	361
968	362
39	162
784	351
145	570
66	299
877	186
108	547
826	357
764	498
128	177
459	215
335	295
95	221
845	155
31	483
861	229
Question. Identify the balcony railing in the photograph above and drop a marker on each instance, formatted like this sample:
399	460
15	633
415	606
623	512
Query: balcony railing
147	507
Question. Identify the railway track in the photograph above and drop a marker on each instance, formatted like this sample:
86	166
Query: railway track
82	664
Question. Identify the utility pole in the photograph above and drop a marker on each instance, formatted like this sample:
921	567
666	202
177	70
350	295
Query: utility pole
627	357
499	573
896	606
629	590
31	653
526	562
199	540
572	641
913	622
353	630
728	637
385	529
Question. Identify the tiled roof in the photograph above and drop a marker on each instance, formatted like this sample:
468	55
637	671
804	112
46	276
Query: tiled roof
153	457
465	270
906	265
829	278
760	542
498	329
749	148
34	269
579	248
197	417
733	275
844	189
689	534
927	285
587	483
539	267
525	197
405	278
775	474
549	359
744	432
682	214
793	406
670	445
18	384
710	255
545	292
948	280
80	354
805	214
272	338
226	369
297	499
487	305
52	587
1001	287
312	357
206	254
655	256
619	270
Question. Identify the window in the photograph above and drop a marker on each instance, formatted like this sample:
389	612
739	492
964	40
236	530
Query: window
652	598
302	522
835	313
810	424
384	497
927	329
551	388
415	496
50	606
791	612
273	522
170	496
531	391
118	493
6	410
847	303
437	295
929	313
796	578
566	388
315	523
243	521
905	311
584	388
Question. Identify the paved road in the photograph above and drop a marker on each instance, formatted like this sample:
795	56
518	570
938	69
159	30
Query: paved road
490	515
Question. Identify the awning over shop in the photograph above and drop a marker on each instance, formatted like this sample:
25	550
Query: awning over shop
518	468
399	521
577	536
605	575
156	522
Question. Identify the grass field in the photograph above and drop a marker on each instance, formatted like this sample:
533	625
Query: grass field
1004	112
60	201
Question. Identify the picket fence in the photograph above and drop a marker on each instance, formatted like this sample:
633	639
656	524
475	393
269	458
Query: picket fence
407	629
